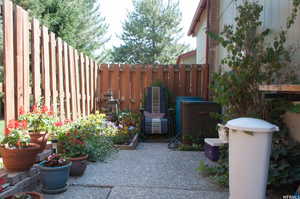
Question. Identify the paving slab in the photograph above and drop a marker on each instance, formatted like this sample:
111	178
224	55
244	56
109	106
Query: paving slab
152	164
145	193
75	192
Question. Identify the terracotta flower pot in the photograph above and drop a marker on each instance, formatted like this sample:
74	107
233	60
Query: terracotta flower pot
39	138
19	159
78	165
34	195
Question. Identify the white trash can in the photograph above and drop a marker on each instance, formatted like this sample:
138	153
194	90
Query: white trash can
249	155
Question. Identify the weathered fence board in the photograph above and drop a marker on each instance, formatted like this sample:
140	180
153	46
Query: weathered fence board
8	59
35	60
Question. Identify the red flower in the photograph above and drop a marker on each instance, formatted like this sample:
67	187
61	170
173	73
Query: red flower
23	124
34	109
44	109
6	131
21	110
58	124
13	124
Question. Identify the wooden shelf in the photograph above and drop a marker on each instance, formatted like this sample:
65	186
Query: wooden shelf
280	88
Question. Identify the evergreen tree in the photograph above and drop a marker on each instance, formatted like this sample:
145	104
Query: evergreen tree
150	34
78	22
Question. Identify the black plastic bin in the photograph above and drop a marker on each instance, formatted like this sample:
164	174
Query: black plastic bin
198	121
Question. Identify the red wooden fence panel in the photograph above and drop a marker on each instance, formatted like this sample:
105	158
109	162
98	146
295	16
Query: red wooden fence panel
60	70
87	84
19	58
66	81
72	82
26	66
35	60
53	83
8	60
83	86
77	83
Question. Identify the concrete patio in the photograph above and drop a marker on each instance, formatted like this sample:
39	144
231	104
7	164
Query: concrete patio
150	172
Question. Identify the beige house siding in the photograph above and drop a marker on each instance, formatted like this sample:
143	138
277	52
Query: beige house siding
188	60
201	40
274	17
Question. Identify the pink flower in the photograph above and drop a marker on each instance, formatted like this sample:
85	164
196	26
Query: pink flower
58	124
44	109
34	109
6	131
23	124
13	124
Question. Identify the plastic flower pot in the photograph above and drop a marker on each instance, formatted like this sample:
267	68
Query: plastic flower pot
39	138
34	195
19	159
54	179
78	165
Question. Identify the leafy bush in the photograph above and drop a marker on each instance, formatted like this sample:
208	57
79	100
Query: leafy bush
99	148
253	61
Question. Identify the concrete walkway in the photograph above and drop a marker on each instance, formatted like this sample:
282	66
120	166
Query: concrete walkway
151	172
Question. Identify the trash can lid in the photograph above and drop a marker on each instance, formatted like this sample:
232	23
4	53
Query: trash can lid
252	125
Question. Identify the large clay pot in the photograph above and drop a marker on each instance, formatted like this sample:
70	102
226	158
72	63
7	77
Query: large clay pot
54	179
292	121
78	165
34	195
19	159
39	138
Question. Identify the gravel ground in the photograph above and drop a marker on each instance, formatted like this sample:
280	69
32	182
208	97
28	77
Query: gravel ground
150	172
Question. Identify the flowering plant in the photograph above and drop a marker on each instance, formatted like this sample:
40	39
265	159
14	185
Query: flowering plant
39	119
16	134
73	143
56	160
60	128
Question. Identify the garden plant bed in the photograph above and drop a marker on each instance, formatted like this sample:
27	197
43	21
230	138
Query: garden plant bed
131	146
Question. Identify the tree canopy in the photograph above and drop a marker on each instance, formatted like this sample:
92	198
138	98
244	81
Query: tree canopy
151	34
79	23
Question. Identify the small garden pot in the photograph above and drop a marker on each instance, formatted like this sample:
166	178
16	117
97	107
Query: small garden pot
54	179
78	165
34	195
39	138
19	159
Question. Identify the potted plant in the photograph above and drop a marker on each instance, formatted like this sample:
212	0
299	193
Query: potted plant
16	150
55	172
73	145
40	120
26	195
94	128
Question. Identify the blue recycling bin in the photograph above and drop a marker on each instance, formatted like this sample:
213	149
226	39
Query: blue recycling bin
180	99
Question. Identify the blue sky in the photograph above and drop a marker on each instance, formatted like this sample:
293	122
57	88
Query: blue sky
115	12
